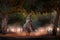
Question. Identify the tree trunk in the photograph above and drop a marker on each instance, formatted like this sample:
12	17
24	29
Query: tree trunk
4	24
28	24
56	23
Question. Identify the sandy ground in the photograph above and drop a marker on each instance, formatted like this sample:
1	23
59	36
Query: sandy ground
38	32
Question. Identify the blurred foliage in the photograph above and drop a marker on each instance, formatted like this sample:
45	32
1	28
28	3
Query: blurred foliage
9	6
45	6
19	18
40	5
37	19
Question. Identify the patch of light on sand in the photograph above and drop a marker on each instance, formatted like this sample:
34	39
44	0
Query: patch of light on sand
58	29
